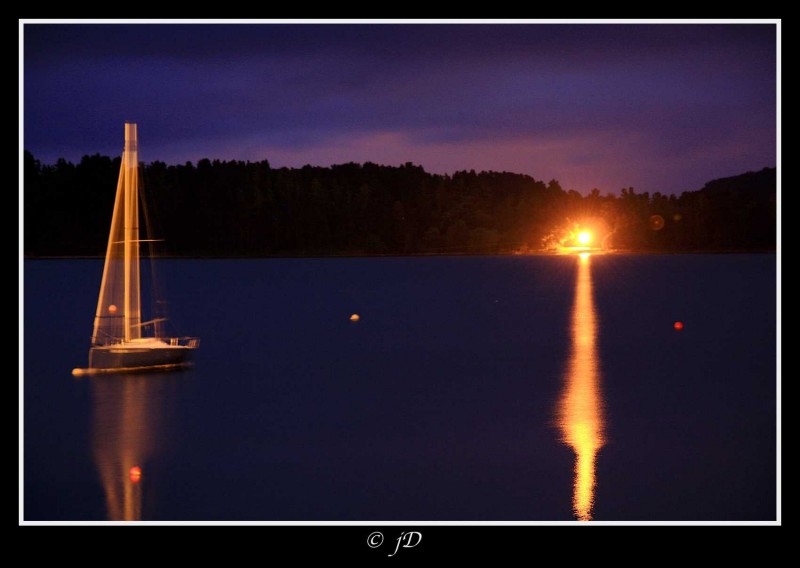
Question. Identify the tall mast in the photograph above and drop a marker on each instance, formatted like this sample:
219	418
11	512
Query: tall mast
130	164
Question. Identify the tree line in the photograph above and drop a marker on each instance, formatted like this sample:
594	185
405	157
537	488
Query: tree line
237	208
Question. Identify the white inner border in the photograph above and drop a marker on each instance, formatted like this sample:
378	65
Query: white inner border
23	22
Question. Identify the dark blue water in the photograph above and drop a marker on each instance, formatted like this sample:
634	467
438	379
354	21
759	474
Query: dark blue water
439	404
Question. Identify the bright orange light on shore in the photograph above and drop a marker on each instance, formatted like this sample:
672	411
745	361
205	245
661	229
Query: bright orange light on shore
591	234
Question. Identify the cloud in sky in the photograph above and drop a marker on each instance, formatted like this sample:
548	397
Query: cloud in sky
659	107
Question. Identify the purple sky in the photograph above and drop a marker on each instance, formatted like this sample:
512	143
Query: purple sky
660	107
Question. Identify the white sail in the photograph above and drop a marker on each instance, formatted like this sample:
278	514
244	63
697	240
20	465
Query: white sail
118	314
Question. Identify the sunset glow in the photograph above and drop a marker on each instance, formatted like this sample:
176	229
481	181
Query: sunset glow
584	237
429	103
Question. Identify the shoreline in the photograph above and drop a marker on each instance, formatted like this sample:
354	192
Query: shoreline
416	255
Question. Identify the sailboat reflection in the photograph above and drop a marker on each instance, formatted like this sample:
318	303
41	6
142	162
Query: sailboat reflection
580	410
126	422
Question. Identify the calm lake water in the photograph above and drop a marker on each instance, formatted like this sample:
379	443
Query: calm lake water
473	388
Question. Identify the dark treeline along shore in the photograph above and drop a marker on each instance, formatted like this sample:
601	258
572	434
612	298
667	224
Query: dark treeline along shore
235	208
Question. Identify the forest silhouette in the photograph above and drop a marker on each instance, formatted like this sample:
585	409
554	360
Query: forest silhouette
249	209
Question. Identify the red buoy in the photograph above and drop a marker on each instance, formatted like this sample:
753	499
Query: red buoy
135	474
678	325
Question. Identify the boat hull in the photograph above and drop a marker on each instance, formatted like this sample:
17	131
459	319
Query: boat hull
137	359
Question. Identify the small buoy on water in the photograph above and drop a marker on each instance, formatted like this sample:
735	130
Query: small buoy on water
678	325
355	317
112	309
135	474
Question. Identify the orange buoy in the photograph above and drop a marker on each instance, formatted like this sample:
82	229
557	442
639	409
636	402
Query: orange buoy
112	309
678	325
355	317
135	474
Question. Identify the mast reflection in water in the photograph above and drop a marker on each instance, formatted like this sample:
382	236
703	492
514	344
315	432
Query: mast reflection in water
580	410
126	421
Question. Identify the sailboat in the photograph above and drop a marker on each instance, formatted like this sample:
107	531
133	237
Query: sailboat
121	341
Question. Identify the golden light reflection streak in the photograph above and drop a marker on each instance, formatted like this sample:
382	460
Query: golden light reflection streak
123	437
580	411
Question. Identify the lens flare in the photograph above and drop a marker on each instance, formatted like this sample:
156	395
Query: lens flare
656	222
